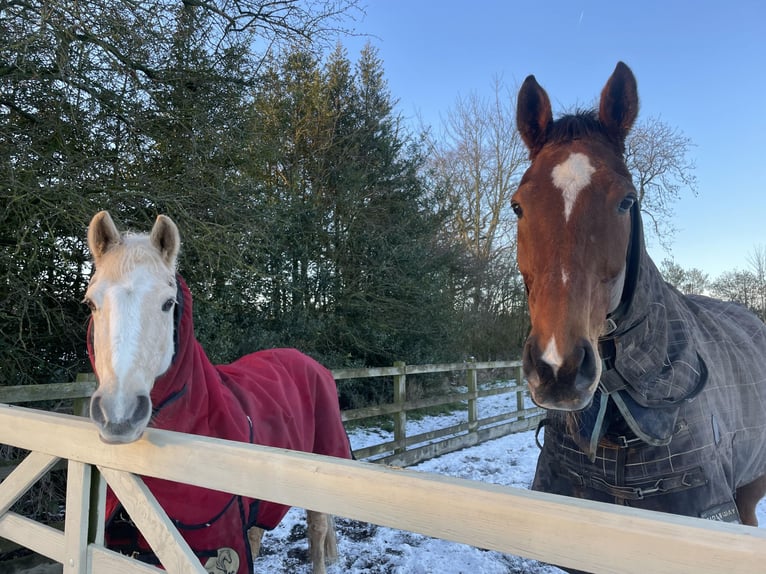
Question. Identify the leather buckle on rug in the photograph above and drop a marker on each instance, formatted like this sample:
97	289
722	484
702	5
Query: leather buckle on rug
623	441
608	351
610	326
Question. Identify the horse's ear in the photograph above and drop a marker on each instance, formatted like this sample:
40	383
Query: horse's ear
102	235
533	115
619	103
166	239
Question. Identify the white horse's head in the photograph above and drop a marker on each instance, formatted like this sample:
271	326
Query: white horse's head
131	297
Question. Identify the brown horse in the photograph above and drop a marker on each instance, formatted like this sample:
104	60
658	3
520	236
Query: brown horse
655	399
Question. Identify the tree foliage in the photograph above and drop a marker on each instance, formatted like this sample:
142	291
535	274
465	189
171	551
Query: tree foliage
347	259
137	108
310	215
304	219
476	163
737	285
657	156
689	281
746	286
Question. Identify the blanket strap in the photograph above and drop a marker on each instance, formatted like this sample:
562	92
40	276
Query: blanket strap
641	490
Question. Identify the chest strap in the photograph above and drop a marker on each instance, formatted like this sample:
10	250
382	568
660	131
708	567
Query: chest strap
644	489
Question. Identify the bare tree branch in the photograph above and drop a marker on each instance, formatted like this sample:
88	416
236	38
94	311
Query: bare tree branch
657	156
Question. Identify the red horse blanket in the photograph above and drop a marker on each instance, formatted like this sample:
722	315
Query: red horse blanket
278	398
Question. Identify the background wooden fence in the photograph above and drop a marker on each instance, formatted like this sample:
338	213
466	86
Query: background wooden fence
403	450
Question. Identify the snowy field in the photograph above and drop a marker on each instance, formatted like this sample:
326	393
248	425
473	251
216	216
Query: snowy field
367	548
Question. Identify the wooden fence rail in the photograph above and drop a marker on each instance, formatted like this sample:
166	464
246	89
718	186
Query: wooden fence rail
403	450
580	534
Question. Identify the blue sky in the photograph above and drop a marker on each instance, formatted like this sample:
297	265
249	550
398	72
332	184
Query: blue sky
701	67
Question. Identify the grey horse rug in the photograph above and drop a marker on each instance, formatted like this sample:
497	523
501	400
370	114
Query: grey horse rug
279	398
679	420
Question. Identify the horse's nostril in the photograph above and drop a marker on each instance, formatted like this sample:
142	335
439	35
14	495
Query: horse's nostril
142	410
96	412
527	357
587	371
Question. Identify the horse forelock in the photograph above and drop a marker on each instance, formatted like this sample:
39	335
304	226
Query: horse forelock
134	251
582	124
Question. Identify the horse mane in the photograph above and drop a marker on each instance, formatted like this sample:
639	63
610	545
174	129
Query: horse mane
578	125
134	250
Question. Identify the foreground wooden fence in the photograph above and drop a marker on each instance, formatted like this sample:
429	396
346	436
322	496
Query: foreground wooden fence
403	450
590	536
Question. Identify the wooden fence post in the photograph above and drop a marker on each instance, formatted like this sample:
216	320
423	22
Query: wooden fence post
520	392
473	395
76	520
400	416
97	508
81	406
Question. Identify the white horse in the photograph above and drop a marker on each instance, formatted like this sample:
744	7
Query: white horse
152	372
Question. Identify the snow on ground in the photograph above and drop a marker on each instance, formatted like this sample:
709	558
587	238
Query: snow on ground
367	548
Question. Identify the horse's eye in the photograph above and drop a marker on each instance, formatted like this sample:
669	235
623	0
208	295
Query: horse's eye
626	203
168	305
91	305
516	208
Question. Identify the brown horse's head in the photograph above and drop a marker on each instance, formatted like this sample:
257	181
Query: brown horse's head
574	208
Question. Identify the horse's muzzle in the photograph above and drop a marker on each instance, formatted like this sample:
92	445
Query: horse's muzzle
568	386
115	427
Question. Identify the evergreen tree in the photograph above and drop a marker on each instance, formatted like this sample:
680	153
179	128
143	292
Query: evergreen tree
392	264
353	268
135	108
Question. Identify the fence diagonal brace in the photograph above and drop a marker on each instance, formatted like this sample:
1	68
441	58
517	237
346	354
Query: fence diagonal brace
147	514
29	471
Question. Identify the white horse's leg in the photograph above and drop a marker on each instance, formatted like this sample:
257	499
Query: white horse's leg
323	546
330	541
254	536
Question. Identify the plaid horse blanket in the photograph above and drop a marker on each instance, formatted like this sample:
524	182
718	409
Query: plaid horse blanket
278	398
679	420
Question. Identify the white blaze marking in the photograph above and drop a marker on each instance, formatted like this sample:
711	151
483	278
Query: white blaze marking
571	177
127	329
551	356
564	277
